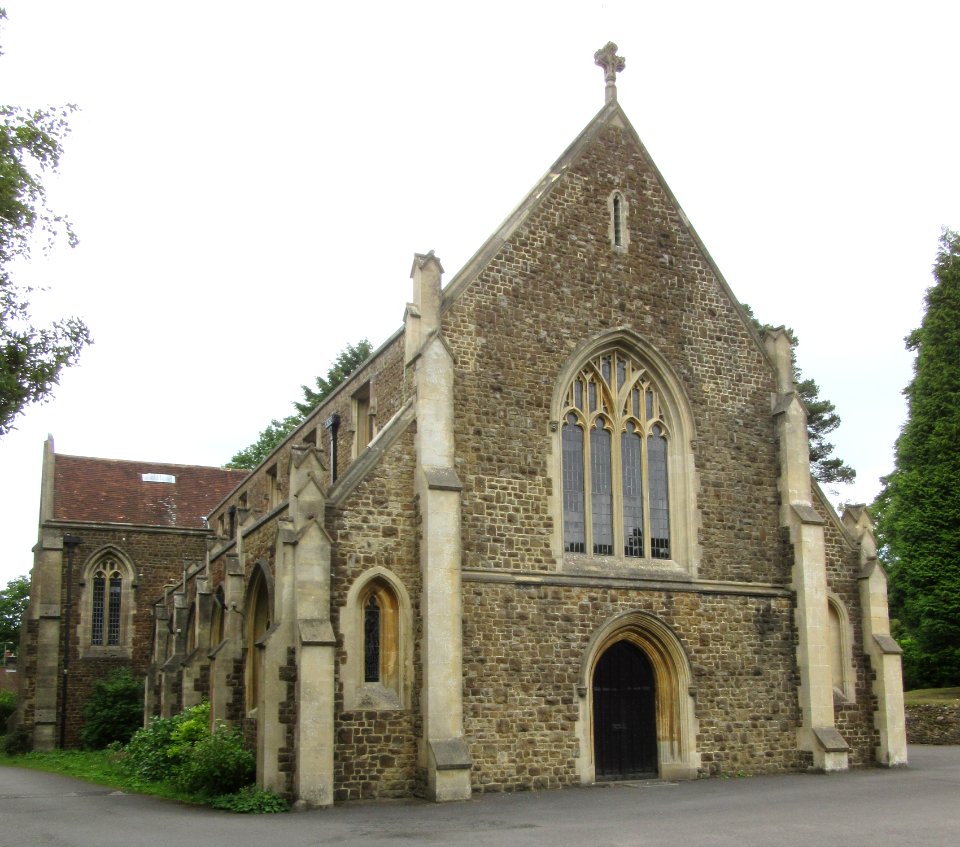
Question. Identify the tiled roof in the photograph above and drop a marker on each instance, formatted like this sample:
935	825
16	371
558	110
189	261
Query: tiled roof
108	490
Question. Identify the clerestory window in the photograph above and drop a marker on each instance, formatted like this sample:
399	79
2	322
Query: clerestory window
615	440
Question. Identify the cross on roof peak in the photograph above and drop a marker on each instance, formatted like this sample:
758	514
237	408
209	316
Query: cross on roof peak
612	64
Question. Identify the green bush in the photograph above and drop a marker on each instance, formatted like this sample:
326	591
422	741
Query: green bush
8	705
252	801
216	764
17	742
155	751
114	710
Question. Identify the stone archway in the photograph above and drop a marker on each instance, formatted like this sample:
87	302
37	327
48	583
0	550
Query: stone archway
671	706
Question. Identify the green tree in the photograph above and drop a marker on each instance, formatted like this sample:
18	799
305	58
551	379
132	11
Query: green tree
347	361
918	511
114	710
31	358
13	605
822	419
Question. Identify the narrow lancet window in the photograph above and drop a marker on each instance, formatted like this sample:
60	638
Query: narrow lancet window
617	221
371	640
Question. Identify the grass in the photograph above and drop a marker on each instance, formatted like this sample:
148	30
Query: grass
99	767
932	697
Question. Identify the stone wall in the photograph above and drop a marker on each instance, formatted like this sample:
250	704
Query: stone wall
557	282
938	724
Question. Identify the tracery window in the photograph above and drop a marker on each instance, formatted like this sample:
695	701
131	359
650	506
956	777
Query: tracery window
615	448
108	583
107	601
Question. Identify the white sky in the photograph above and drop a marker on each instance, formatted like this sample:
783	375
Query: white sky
250	181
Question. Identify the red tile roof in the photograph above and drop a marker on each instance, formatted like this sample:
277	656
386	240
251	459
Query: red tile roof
109	490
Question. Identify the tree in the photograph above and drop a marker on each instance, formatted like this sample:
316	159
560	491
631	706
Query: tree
348	360
31	358
13	605
822	419
918	512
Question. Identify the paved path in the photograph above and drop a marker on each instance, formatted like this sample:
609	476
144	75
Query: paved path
917	806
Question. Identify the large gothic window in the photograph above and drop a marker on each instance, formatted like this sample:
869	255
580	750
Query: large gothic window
616	442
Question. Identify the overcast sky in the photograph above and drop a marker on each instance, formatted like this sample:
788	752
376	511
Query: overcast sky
250	181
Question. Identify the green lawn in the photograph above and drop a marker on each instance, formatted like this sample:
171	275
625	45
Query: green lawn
97	766
932	697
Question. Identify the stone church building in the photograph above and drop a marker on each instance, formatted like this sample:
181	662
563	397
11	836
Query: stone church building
558	529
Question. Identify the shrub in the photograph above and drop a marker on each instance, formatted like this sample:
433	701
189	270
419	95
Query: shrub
216	764
8	705
17	742
155	751
114	710
252	801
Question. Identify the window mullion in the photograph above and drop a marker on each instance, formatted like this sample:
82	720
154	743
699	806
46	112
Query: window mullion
645	476
587	493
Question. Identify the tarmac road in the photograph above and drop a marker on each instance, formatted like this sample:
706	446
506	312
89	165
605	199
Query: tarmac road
916	806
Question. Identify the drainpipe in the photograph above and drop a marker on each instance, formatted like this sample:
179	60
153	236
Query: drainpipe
333	424
71	542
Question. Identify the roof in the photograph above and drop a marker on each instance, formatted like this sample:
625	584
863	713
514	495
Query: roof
144	493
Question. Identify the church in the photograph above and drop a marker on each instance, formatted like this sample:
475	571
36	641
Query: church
559	529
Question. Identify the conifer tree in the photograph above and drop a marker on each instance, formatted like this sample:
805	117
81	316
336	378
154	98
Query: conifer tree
347	361
822	419
918	513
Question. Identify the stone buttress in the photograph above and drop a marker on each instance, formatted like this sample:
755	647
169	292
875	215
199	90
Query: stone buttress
443	749
817	734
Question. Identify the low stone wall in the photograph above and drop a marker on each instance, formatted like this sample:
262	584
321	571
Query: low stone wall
933	724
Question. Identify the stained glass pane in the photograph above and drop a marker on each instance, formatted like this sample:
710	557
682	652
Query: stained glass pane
113	618
99	589
601	478
649	396
635	395
632	493
371	640
574	516
578	394
659	502
592	390
605	369
621	372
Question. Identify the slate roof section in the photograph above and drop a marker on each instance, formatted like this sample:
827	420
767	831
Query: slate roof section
113	491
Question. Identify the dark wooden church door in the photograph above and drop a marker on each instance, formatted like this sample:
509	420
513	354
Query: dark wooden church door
624	715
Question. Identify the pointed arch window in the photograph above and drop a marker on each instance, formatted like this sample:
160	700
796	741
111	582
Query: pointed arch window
619	231
107	601
107	608
376	620
616	443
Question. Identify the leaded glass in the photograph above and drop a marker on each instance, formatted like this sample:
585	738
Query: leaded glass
601	477
113	617
371	640
659	506
96	617
632	475
574	516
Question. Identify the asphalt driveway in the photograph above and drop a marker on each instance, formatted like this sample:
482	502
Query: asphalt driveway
916	806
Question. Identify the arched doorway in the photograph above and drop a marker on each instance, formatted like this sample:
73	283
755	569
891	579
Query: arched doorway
624	714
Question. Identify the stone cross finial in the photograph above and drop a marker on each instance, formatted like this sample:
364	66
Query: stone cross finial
612	64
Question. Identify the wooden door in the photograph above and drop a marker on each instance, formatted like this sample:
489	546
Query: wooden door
624	715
